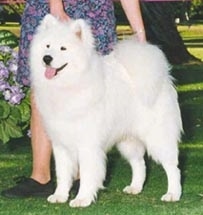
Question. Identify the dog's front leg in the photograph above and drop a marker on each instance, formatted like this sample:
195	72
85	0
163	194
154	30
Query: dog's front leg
65	170
92	164
174	186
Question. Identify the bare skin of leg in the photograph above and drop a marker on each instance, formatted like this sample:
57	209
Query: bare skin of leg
41	147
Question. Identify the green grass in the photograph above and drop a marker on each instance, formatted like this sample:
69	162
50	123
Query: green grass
193	38
15	160
112	201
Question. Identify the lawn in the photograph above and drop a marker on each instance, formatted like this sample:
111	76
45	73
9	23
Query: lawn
15	160
193	38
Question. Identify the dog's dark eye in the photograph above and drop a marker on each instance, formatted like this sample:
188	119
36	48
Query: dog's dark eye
63	48
48	46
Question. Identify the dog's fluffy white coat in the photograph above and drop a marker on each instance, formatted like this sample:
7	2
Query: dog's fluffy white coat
126	99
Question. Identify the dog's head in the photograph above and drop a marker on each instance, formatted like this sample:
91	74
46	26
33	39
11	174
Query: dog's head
60	48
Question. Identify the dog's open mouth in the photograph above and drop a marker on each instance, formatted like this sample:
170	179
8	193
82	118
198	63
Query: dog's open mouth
51	72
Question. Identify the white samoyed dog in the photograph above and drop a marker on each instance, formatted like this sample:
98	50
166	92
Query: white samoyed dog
89	103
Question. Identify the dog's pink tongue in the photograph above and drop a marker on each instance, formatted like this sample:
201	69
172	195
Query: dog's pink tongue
50	72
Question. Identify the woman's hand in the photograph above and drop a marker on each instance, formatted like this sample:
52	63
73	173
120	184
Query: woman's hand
57	10
133	13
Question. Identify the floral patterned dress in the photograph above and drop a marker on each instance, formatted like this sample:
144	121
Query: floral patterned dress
99	13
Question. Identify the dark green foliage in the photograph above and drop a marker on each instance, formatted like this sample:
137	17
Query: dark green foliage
7	38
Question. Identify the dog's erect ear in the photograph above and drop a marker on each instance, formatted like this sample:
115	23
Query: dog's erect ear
48	21
83	31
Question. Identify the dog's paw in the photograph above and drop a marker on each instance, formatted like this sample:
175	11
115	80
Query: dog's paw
85	202
57	198
170	197
131	190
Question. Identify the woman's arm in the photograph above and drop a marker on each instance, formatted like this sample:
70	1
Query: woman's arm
133	13
57	10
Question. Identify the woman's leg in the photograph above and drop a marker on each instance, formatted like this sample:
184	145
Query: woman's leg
41	147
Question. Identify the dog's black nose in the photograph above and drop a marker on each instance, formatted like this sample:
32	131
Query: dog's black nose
47	59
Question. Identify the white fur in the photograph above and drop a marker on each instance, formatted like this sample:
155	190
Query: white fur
126	98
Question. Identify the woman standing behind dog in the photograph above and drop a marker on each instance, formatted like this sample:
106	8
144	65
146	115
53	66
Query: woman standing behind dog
100	15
